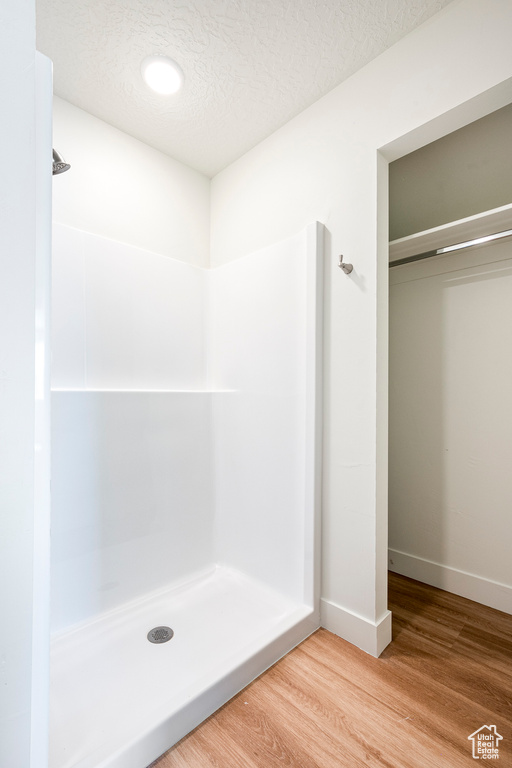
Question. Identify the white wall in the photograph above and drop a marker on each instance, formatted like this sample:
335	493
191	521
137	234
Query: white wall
466	172
450	423
17	329
122	189
324	165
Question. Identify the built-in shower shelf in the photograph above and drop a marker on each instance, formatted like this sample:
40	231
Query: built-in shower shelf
145	391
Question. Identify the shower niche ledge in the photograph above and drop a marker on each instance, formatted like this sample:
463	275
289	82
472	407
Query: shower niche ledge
141	391
196	513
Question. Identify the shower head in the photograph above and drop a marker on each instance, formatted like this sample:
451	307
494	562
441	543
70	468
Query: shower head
59	165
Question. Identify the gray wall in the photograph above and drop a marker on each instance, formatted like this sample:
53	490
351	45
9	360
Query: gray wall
464	173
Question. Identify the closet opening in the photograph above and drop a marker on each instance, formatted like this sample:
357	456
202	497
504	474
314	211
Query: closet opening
450	367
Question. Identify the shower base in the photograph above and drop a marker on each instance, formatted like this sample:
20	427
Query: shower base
120	701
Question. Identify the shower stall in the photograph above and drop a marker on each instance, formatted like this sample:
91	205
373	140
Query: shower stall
186	418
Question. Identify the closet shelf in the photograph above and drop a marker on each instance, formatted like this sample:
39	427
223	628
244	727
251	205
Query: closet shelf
472	227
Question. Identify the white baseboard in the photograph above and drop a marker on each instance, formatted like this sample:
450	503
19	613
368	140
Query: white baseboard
468	585
370	636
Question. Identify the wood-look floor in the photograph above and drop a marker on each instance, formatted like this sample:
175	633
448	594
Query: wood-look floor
327	704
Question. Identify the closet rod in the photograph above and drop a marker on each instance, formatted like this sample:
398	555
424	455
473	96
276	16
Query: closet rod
451	248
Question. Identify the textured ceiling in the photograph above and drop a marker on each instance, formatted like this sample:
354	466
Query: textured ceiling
250	65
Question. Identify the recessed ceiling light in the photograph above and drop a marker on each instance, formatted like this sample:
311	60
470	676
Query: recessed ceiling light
162	74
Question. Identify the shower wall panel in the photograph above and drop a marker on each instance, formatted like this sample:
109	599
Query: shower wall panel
132	507
131	497
258	349
124	318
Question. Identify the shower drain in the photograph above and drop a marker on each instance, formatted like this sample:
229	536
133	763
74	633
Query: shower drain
160	634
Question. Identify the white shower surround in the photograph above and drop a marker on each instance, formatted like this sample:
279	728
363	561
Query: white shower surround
230	439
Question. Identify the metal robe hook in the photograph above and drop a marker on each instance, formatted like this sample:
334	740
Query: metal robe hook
347	268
